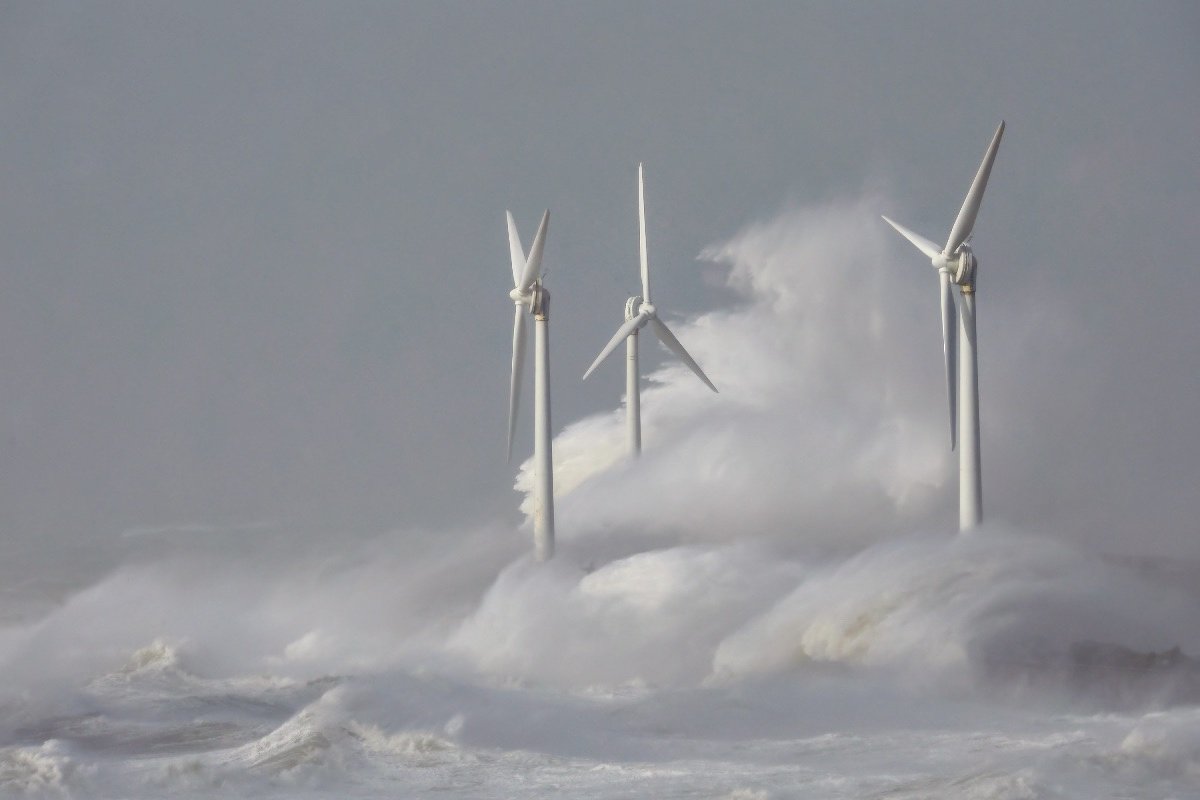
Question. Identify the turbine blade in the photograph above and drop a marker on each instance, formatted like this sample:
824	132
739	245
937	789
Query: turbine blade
645	261
950	350
970	207
924	245
668	338
622	333
514	387
533	266
515	251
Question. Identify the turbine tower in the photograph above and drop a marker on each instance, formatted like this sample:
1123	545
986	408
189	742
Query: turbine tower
639	312
956	264
529	296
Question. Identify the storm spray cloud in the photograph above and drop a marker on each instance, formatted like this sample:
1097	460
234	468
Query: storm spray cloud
828	427
828	437
831	424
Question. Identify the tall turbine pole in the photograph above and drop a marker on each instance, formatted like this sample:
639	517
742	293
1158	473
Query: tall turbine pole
543	456
970	473
633	400
633	384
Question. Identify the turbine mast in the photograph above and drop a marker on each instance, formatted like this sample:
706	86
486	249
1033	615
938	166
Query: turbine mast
543	455
970	468
633	385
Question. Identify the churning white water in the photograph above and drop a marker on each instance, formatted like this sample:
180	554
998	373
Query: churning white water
769	604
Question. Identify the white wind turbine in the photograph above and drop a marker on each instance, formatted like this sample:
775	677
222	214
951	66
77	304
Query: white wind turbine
639	312
529	296
956	263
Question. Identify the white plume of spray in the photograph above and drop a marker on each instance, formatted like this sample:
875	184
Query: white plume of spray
783	507
828	418
652	618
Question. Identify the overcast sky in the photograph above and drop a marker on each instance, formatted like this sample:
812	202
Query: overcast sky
254	256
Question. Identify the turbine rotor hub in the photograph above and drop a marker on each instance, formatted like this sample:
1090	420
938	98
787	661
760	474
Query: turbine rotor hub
647	308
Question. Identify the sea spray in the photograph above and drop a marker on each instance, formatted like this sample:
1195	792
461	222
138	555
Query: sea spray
822	431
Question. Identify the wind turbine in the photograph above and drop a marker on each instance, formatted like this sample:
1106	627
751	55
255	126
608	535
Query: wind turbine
639	312
529	296
956	264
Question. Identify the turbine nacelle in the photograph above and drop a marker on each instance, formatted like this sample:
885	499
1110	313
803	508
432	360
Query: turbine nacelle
539	302
632	307
636	307
532	298
960	266
965	265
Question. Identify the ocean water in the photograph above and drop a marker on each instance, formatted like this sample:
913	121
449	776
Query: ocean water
770	603
994	665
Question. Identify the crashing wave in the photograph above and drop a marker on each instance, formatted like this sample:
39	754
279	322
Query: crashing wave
44	771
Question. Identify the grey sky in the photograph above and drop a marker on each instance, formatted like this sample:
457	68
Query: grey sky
255	262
